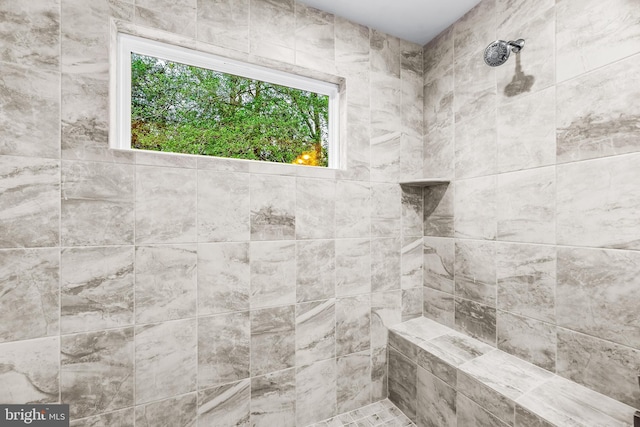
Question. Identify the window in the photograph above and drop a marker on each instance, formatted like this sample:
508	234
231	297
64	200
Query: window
178	100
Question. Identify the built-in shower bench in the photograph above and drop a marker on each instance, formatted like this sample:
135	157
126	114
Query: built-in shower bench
440	377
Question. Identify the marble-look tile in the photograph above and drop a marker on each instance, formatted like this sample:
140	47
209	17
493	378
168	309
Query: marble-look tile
31	31
385	127
268	40
273	207
386	311
353	324
385	155
353	266
411	154
358	128
176	412
475	30
438	55
474	86
593	34
165	213
386	210
223	206
273	273
412	263
486	397
353	209
470	414
403	374
527	280
476	146
123	418
411	84
29	194
385	53
166	359
524	418
315	208
316	383
316	271
438	103
273	339
412	211
595	293
438	262
439	153
352	42
379	389
353	381
85	114
315	331
475	271
598	203
435	401
534	67
476	320
223	277
528	339
30	110
273	399
438	210
602	120
412	304
165	282
29	293
96	288
225	405
177	17
409	336
526	132
224	23
385	264
563	402
519	12
30	371
526	205
475	208
603	366
439	306
314	38
97	204
96	373
223	348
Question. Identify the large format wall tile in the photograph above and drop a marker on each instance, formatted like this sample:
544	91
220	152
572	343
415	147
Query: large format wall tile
590	283
386	311
411	263
475	29
353	381
475	271
353	209
438	261
438	103
314	38
316	271
528	339
592	34
598	203
435	401
476	319
385	264
273	207
468	413
273	273
386	210
475	86
315	331
385	53
223	348
29	293
353	266
439	149
226	405
315	208
30	371
353	324
438	306
315	383
438	210
601	121
178	412
223	277
30	111
475	146
165	213
97	371
268	40
273	399
122	418
96	288
175	17
402	382
97	204
438	55
166	359
273	341
606	367
412	211
29	194
223	206
224	23
475	208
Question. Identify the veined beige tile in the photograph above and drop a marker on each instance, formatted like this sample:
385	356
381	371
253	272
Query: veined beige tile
273	399
386	209
412	263
592	34
528	339
273	339
476	146
412	303
435	401
379	389
223	277
471	414
403	376
224	23
353	324
438	103
123	418
273	207
273	273
438	258
385	53
439	153
598	203
475	85
475	208
439	306
227	404
386	311
316	271
475	30
353	266
316	383
315	38
353	387
475	271
267	39
178	411
412	211
385	264
315	331
476	320
486	397
315	208
438	55
438	210
352	43
175	17
353	209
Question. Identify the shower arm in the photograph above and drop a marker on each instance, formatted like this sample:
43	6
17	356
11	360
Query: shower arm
516	45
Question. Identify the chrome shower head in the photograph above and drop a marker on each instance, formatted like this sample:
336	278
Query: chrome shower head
498	52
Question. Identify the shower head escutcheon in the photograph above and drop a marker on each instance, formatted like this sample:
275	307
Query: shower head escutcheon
498	52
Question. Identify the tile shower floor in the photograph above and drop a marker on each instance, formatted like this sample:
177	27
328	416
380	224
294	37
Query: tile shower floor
383	413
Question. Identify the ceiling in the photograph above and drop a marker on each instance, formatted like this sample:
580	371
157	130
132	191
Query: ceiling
418	21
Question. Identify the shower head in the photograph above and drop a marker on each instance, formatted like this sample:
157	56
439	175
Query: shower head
498	52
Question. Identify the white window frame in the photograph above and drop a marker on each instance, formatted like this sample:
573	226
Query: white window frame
127	44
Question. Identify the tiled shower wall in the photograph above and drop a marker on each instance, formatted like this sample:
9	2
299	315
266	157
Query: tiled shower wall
165	288
533	247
